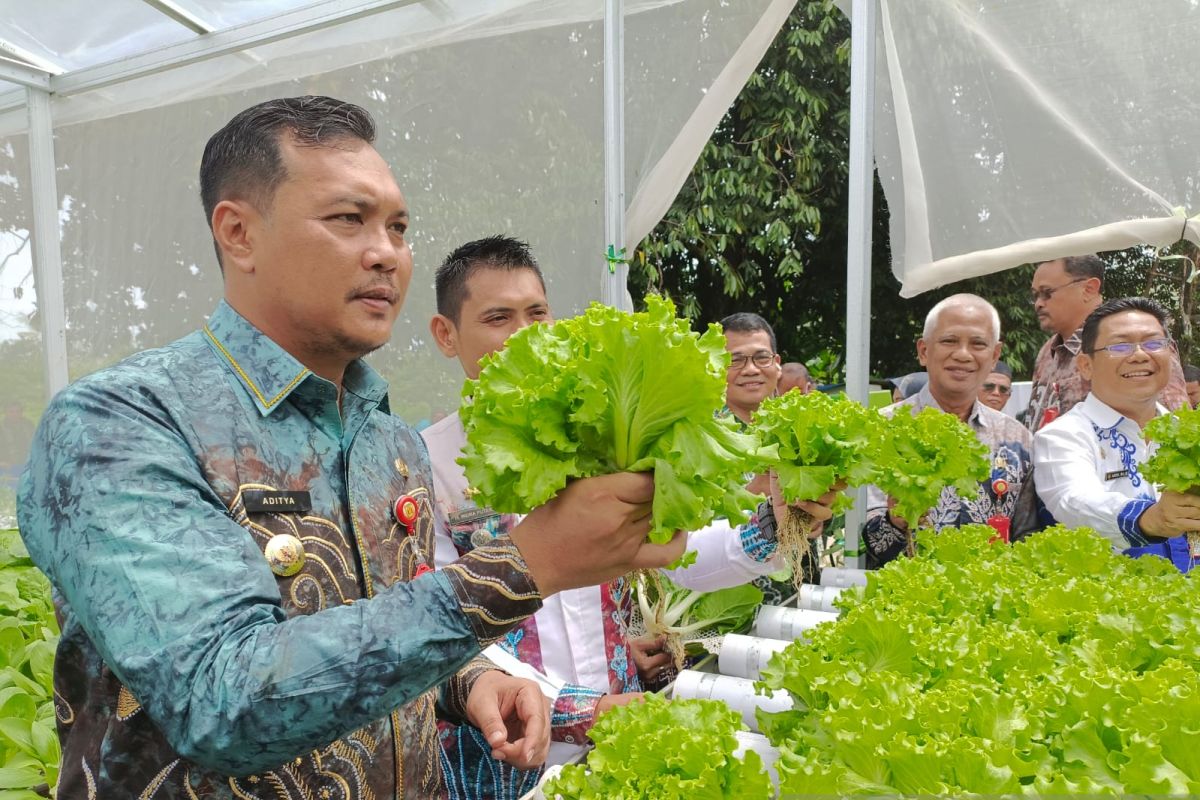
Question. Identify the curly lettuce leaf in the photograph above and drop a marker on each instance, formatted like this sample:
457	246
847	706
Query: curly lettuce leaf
919	455
610	392
673	750
1052	666
1175	465
819	441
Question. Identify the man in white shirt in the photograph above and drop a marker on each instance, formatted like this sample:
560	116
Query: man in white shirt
1087	462
577	643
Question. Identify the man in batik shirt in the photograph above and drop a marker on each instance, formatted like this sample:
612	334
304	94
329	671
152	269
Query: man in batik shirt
240	535
1064	292
959	348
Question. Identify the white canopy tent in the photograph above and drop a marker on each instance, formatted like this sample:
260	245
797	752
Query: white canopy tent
1034	130
493	114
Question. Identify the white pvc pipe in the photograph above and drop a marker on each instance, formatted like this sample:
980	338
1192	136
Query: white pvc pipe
843	577
745	656
818	598
737	693
788	624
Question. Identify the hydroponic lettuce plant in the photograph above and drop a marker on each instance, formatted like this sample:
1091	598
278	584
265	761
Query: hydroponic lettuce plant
29	748
609	392
1050	667
917	456
1175	465
685	617
665	750
820	441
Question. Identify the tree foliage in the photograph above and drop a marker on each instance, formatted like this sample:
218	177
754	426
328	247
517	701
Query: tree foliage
761	224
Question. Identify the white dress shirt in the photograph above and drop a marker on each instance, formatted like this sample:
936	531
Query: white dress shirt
571	624
1086	466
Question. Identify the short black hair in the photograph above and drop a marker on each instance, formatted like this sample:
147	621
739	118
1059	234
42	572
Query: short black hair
1191	373
243	160
749	322
1089	266
1003	369
491	252
1091	325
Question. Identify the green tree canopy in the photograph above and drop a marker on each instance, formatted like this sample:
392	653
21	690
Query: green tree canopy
761	223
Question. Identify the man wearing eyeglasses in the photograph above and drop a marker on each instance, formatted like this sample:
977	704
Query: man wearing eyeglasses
1064	292
996	390
1087	463
754	375
754	366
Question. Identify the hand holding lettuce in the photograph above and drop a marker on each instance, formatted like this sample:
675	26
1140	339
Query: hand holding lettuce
820	442
1175	465
919	455
609	392
684	617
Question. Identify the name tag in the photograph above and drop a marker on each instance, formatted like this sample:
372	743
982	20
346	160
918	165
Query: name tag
470	516
260	500
1112	476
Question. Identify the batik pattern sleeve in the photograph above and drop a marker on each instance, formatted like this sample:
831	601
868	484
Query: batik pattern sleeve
1069	482
457	690
882	540
494	589
182	606
573	713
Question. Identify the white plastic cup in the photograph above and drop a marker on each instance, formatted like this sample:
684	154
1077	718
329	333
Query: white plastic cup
818	598
788	624
745	656
737	693
843	577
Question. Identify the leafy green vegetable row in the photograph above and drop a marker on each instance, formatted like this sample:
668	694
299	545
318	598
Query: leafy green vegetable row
677	750
29	750
1053	666
608	392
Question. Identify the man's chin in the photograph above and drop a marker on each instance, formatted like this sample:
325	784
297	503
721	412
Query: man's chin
360	346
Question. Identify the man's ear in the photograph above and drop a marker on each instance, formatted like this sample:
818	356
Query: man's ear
921	352
1083	362
445	335
233	224
996	355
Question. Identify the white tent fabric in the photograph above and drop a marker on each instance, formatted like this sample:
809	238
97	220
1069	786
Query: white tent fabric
489	111
1011	131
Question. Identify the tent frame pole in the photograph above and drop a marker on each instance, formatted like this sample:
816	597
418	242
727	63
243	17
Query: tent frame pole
47	253
613	289
861	192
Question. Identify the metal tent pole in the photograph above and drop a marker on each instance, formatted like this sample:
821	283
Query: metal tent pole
863	26
613	290
47	256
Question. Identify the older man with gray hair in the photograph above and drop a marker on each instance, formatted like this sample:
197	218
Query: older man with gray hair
958	348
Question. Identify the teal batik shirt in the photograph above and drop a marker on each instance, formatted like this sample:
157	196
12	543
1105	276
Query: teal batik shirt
187	666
